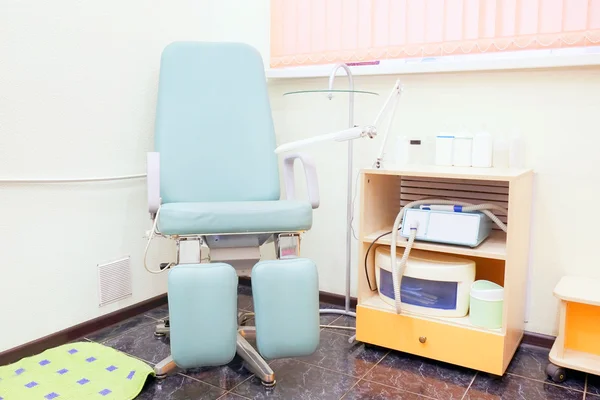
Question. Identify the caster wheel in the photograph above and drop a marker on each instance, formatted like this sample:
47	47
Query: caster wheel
556	373
161	377
159	335
268	385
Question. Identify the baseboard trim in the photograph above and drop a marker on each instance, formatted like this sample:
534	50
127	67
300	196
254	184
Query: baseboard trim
85	328
538	339
80	330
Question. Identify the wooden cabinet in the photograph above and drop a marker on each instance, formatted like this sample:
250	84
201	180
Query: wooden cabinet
501	258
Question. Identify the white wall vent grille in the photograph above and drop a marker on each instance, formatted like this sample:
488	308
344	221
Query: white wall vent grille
114	281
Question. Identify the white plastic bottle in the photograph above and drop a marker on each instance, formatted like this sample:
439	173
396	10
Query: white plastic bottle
402	151
444	143
462	149
483	147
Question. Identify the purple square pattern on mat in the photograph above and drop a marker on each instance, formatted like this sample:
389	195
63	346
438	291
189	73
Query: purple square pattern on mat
31	384
19	371
83	381
62	371
51	396
91	359
73	351
111	368
44	362
131	374
105	392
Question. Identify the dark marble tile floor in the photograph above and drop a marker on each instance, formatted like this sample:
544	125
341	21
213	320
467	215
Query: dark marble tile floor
342	370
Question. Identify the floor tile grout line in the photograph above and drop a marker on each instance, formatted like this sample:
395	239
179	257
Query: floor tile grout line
352	387
330	329
201	381
398	388
548	382
365	374
328	369
470	384
103	341
235	394
383	384
242	382
376	364
156	319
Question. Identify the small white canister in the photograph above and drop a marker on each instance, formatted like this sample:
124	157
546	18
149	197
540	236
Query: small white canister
483	150
443	149
462	151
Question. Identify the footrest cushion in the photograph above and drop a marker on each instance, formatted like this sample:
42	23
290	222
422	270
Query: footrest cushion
203	314
286	307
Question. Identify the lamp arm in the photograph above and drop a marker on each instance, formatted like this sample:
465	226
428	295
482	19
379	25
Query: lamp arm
397	91
340	136
356	132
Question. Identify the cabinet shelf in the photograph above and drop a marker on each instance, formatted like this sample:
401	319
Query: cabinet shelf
493	247
502	258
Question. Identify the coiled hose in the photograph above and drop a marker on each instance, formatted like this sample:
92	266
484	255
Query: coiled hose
398	269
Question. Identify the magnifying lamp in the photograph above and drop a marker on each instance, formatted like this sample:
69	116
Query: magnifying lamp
349	135
356	132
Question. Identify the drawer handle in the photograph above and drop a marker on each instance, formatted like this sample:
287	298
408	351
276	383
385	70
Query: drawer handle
422	339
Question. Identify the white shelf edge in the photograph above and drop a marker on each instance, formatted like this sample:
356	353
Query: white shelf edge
405	68
479	251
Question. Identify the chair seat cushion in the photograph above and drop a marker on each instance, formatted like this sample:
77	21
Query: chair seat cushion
234	217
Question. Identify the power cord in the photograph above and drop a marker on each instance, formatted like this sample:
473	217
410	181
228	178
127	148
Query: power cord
367	257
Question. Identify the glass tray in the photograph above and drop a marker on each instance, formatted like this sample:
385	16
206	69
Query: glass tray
329	91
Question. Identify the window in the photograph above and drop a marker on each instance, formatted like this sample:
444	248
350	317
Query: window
315	32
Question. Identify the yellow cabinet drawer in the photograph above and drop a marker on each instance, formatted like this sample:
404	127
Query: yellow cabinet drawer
429	338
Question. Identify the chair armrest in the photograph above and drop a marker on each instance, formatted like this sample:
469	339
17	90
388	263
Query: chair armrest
310	172
153	181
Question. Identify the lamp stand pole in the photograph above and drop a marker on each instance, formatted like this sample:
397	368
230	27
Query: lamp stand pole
346	310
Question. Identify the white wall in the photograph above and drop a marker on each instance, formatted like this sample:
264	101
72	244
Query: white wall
77	95
556	110
557	113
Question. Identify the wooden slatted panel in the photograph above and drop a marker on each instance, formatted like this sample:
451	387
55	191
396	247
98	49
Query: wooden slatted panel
471	191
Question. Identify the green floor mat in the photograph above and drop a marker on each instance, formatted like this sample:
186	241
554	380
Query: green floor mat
75	371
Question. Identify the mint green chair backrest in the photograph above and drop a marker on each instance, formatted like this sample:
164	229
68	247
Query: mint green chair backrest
214	129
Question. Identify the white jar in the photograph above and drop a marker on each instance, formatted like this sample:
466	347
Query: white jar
483	148
443	149
462	151
402	151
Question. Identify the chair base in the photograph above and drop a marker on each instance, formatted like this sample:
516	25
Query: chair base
253	361
163	368
162	329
